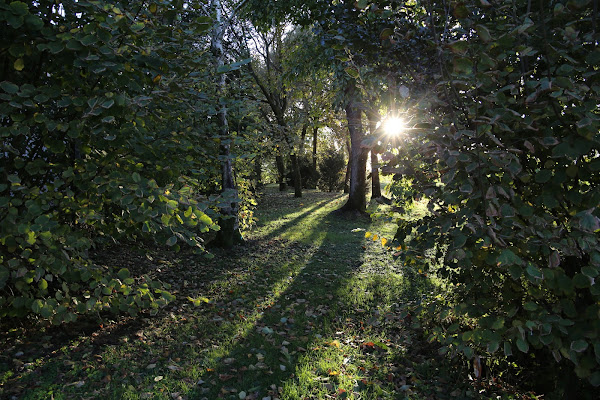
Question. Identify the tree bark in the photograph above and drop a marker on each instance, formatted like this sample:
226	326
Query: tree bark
314	149
373	117
296	165
358	159
347	177
280	172
229	234
297	176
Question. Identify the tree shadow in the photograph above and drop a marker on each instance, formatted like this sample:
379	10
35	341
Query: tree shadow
269	302
297	315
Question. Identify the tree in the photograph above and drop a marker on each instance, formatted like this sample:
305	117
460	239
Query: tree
98	145
358	154
373	117
229	232
515	147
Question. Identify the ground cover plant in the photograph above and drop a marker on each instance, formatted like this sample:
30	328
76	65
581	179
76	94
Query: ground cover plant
308	309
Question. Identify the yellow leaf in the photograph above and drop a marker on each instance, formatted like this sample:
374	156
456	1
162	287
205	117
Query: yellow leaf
335	343
375	237
333	373
383	241
368	235
19	64
399	247
157	78
153	8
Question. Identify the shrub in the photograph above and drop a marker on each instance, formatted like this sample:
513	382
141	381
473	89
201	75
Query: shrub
332	167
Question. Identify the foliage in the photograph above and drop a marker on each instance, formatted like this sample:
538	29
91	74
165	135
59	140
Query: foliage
310	177
515	149
99	140
332	168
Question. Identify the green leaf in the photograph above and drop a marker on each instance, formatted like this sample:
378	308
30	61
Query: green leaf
595	379
19	8
34	22
463	66
172	240
498	323
522	345
507	257
459	241
459	47
507	349
123	273
43	284
353	72
37	306
386	33
543	176
483	33
47	310
9	87
534	271
19	64
362	4
579	346
136	177
14	179
137	26
587	221
493	346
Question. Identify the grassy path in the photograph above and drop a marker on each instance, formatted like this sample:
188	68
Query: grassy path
307	309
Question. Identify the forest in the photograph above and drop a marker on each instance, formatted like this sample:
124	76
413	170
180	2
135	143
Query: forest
299	199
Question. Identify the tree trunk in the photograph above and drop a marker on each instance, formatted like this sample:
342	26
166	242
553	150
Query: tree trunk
375	182
314	149
347	177
358	159
297	176
280	172
229	234
373	117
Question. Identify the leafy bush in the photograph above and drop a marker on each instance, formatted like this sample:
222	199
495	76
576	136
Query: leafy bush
96	142
332	167
516	200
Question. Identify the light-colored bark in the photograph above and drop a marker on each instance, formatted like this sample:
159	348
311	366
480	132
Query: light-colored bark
229	234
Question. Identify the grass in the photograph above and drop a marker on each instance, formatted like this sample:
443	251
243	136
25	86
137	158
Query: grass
307	309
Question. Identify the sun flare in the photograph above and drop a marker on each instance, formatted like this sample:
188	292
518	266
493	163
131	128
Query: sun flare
394	126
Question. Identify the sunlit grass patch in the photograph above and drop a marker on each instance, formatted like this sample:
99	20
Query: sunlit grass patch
308	308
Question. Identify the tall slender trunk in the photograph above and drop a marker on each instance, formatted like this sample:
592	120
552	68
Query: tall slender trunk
314	149
297	175
358	160
296	165
373	117
280	172
229	234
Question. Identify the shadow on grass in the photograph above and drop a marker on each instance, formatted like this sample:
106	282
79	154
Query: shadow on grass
298	310
270	304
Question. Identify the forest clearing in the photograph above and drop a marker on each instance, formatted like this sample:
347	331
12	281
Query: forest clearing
308	309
